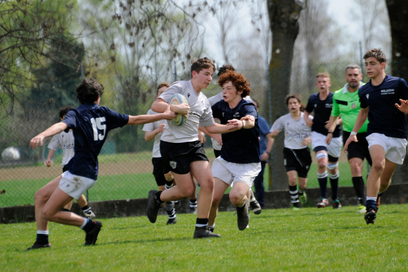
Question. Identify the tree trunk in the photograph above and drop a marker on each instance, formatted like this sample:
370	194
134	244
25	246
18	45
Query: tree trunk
283	17
398	13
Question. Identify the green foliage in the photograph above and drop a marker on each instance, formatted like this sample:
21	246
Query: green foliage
277	240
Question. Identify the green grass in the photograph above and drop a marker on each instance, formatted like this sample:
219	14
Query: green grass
277	240
128	186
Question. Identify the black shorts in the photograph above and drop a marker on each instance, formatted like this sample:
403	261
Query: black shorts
359	149
178	156
298	160
65	168
158	171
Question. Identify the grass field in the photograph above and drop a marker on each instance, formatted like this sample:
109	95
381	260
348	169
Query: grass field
309	239
124	186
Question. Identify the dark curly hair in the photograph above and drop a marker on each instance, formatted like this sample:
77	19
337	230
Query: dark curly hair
202	63
237	79
225	68
88	91
63	111
377	54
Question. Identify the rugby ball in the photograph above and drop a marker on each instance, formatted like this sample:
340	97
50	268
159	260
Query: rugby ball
178	99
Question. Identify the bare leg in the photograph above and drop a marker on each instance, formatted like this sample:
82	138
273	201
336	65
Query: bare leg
82	201
202	171
219	189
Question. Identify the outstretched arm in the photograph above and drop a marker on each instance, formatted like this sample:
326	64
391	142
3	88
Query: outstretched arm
148	118
51	131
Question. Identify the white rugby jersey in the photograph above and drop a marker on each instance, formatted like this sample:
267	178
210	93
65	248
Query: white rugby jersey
200	114
295	131
149	127
64	140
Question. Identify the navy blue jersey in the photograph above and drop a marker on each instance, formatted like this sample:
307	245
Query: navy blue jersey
90	124
322	111
383	116
241	146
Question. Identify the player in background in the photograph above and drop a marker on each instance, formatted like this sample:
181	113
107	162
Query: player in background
265	146
181	149
90	124
296	151
387	129
154	130
346	104
65	140
327	155
239	163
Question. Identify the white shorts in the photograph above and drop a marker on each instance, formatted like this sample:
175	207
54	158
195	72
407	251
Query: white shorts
75	185
333	149
230	172
395	148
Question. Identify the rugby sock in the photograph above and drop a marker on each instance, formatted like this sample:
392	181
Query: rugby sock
169	184
211	228
294	195
86	209
88	225
193	203
157	197
42	236
300	191
201	222
172	213
358	184
334	183
371	202
322	178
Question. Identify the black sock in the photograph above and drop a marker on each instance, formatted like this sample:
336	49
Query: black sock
201	222
43	238
294	195
171	213
85	207
157	197
334	183
193	203
169	183
358	184
323	186
89	226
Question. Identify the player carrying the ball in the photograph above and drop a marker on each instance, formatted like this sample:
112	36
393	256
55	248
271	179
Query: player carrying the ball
181	149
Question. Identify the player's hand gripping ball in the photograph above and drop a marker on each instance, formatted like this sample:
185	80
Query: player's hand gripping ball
178	99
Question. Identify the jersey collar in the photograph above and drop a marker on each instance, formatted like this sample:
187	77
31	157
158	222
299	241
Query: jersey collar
345	87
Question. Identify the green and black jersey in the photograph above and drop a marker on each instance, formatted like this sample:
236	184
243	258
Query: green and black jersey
347	105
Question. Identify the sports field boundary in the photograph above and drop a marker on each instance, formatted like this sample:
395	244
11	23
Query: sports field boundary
396	194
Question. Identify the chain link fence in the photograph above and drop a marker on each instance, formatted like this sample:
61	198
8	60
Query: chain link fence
125	160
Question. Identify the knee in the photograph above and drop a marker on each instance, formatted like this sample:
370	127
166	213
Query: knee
322	165
47	215
378	166
187	192
236	199
207	184
292	181
40	197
